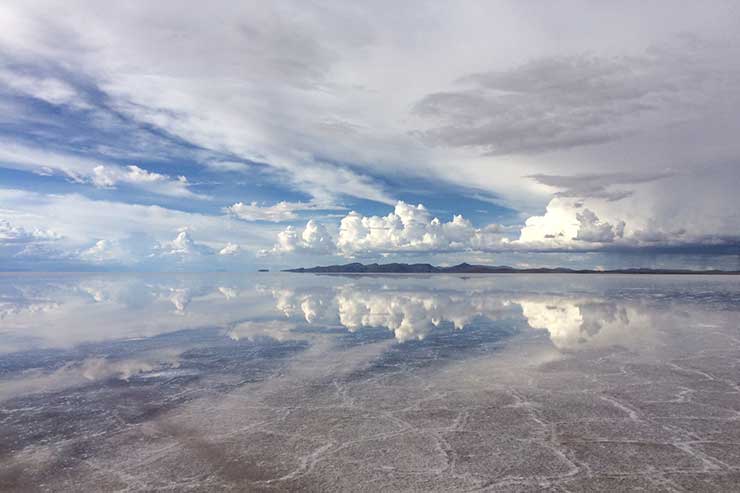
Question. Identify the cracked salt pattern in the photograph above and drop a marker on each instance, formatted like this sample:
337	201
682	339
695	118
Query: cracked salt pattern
378	383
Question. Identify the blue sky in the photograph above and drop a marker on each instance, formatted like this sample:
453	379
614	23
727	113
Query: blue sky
137	137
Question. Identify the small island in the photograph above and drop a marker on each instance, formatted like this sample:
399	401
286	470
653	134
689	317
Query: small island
465	268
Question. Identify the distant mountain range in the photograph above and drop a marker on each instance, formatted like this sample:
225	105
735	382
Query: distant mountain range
464	268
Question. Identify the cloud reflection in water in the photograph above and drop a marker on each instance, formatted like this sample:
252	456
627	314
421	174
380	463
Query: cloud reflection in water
60	312
145	364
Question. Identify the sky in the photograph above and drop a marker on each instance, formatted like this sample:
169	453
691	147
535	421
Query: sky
177	136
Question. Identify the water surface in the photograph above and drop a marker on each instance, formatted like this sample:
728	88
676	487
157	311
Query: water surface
305	382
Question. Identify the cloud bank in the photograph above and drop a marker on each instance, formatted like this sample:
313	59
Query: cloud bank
407	229
566	225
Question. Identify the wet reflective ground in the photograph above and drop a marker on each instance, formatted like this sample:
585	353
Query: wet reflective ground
299	382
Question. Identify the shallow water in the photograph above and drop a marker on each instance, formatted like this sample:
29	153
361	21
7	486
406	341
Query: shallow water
305	382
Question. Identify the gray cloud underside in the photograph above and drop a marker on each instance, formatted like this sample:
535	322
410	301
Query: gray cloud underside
597	185
562	102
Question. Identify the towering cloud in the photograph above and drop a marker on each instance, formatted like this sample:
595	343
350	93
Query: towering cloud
407	228
313	239
567	223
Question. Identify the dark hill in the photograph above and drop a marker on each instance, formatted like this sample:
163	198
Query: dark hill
465	268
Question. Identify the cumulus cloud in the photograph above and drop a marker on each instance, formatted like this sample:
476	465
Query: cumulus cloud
411	228
592	230
567	224
411	314
180	298
10	234
104	251
650	219
585	323
19	243
314	238
42	251
183	246
139	230
408	229
587	223
414	312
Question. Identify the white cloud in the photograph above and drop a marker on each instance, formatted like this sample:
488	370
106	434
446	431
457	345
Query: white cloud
587	323
230	249
29	218
649	218
410	228
85	170
407	229
411	314
183	246
104	251
109	176
41	251
49	89
86	370
29	244
313	239
229	293
286	86
10	234
280	212
592	230
316	238
325	182
569	224
227	166
278	330
180	298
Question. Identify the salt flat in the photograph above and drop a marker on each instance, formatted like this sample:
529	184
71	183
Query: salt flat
277	382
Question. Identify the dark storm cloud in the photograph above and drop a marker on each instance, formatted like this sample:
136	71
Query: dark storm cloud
562	102
596	185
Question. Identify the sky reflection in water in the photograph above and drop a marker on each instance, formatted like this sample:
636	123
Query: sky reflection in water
218	353
66	311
